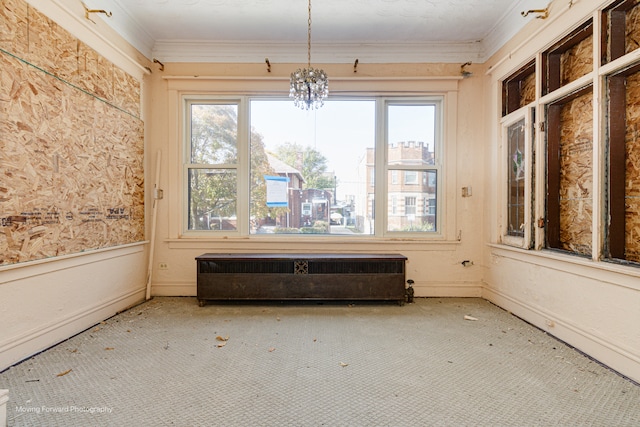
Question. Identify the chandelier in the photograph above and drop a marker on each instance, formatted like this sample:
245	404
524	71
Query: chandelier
309	86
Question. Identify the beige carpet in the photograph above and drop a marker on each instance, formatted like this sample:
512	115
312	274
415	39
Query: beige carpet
169	362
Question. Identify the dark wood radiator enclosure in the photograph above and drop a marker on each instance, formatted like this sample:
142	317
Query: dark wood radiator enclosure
301	277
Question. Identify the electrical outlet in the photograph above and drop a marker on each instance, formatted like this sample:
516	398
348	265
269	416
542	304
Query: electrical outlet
163	266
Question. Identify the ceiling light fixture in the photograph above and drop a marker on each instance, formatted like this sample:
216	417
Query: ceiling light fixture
309	86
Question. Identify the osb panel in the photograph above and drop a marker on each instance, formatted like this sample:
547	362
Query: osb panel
71	165
632	35
93	77
126	91
577	61
13	27
576	174
51	47
528	90
632	193
28	34
632	229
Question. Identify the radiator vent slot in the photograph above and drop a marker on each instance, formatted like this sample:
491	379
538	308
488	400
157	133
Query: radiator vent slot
356	267
301	267
248	267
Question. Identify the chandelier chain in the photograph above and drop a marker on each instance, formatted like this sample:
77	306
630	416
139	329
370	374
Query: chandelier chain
309	39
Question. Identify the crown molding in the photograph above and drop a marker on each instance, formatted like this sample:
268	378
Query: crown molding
223	52
509	24
477	51
124	24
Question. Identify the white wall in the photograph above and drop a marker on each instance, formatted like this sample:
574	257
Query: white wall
45	302
590	304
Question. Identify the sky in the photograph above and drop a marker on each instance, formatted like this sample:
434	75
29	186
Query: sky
340	130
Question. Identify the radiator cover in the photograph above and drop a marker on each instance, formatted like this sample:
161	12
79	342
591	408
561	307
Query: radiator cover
301	277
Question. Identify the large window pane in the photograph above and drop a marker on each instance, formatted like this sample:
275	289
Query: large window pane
212	199
214	134
326	157
411	134
412	208
411	155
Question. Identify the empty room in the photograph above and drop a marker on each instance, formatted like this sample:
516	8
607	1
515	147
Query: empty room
319	212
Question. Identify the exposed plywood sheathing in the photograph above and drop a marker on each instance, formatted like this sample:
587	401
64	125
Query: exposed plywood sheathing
576	175
528	90
632	192
29	35
71	143
577	61
632	24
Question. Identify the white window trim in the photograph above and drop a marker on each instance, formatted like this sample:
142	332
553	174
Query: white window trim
510	119
444	166
219	88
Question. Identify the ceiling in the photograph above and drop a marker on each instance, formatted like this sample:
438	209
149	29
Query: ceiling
342	30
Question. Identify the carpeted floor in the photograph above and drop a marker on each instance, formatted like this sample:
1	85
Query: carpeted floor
169	362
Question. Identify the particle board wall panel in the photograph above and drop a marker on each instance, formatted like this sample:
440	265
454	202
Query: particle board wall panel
576	174
104	79
528	90
40	34
88	69
13	27
64	51
632	33
632	236
126	92
632	176
577	61
70	157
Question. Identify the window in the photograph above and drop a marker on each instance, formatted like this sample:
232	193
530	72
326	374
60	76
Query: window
518	134
516	198
410	177
257	166
570	173
410	206
432	206
212	166
412	149
585	199
623	175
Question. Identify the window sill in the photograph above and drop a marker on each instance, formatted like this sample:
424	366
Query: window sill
621	275
311	244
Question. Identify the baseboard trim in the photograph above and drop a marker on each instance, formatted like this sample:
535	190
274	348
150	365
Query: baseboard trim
449	290
20	348
174	289
597	347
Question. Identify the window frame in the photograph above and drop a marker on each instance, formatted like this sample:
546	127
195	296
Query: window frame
441	158
527	114
241	154
446	106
